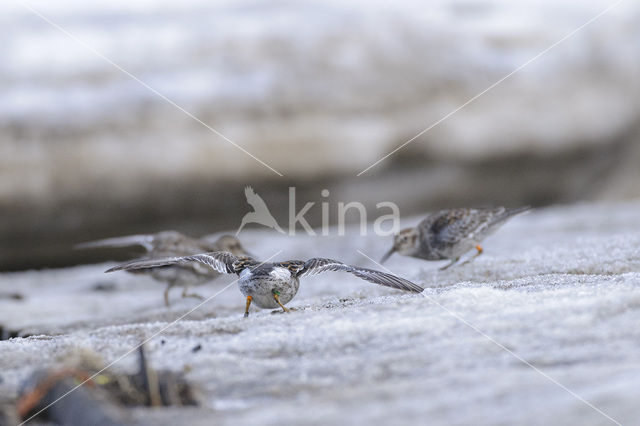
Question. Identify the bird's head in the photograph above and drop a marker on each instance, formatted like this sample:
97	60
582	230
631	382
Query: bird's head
232	245
404	242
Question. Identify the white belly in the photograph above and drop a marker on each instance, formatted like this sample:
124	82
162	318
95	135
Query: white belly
263	288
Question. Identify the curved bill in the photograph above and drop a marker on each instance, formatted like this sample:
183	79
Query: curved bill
387	255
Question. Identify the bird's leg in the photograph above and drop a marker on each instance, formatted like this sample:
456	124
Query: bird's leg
166	294
185	294
246	311
479	251
276	295
450	264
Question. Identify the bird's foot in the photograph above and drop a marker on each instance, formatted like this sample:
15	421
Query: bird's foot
479	251
276	296
194	295
450	264
246	311
283	311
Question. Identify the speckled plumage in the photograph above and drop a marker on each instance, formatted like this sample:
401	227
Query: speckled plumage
270	285
449	234
170	244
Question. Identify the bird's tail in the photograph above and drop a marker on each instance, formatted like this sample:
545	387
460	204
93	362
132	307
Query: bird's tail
518	210
509	213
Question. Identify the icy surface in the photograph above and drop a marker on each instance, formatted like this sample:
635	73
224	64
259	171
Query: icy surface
559	287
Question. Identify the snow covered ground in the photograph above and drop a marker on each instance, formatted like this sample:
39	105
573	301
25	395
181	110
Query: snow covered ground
559	288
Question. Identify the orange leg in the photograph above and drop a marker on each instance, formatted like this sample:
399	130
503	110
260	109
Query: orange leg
479	249
277	297
246	311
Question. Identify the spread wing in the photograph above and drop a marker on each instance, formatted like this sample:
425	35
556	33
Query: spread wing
319	265
145	241
221	261
165	241
255	200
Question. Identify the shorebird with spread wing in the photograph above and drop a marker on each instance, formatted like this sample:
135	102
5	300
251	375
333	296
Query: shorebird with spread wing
169	244
272	285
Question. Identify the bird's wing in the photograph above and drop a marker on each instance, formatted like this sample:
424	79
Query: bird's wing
294	266
319	265
145	241
248	192
452	226
220	261
255	200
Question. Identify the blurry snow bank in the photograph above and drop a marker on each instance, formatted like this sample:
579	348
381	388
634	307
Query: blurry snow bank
319	91
559	287
357	78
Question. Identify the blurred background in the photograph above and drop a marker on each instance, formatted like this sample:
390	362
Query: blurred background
318	91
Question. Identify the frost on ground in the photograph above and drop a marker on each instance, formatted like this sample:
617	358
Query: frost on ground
559	287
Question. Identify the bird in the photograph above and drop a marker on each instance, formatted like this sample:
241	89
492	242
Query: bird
272	285
260	214
169	244
449	234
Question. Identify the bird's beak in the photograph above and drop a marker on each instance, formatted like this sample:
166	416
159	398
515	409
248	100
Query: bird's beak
387	255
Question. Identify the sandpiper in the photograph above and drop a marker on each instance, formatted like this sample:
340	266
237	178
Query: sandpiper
449	234
170	244
272	285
